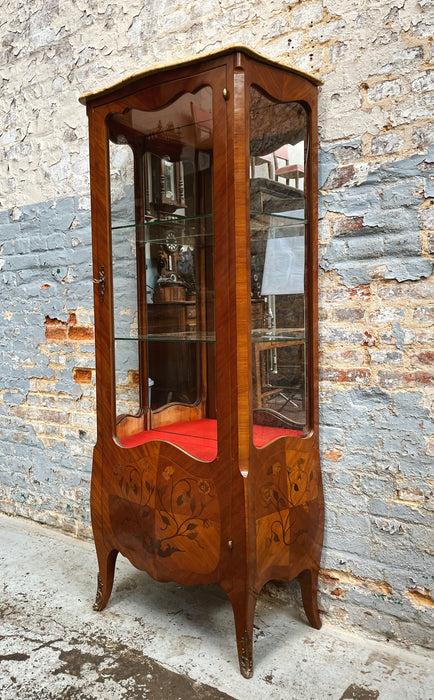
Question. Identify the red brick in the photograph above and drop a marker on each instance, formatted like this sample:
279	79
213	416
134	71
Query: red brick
327	579
55	330
333	455
345	375
347	224
398	379
55	335
387	314
82	375
369	340
363	290
337	592
53	322
427	357
343	294
339	176
80	333
344	356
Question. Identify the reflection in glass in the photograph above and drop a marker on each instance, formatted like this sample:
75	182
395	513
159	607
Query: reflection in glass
125	279
277	227
163	272
169	179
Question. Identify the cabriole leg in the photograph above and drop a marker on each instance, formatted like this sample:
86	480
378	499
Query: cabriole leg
309	593
243	605
106	561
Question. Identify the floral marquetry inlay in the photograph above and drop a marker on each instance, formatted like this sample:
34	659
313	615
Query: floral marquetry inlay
168	513
283	504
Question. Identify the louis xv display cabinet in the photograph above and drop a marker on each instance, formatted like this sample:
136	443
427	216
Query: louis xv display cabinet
204	198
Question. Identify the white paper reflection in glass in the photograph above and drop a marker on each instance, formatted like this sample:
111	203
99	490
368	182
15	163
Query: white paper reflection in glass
284	266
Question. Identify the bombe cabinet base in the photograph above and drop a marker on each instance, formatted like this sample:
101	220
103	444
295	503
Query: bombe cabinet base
206	467
186	544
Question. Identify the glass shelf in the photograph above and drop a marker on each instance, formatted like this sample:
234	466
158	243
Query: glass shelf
263	218
183	228
155	231
282	225
259	335
278	335
181	337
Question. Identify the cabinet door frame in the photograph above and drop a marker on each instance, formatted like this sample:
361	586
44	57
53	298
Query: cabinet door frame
162	91
283	86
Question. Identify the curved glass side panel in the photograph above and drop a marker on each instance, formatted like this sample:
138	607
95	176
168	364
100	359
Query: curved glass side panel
125	279
162	233
278	148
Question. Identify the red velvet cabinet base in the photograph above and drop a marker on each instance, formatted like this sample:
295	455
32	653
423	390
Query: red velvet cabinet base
204	201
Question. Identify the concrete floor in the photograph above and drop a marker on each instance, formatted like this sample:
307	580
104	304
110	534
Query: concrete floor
164	641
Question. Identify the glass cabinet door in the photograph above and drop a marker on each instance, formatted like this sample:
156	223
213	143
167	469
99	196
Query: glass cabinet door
161	189
278	224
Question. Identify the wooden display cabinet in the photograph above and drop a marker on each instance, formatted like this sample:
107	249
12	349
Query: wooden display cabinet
204	199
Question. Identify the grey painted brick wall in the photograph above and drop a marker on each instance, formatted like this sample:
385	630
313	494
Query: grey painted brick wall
47	424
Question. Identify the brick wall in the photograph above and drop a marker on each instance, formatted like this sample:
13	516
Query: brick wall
376	245
47	393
